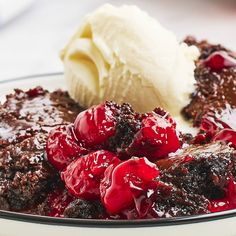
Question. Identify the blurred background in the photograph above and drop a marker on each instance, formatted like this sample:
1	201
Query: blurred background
32	32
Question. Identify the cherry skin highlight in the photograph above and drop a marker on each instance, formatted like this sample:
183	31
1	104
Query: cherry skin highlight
228	202
95	125
62	147
126	181
57	201
156	138
227	135
82	177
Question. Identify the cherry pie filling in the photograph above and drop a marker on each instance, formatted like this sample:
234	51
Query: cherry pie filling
110	162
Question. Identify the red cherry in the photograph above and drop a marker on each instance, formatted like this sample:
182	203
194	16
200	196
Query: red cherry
125	182
62	147
212	123
227	135
228	202
209	125
231	192
219	205
208	128
156	138
220	60
82	177
57	202
35	92
95	125
217	126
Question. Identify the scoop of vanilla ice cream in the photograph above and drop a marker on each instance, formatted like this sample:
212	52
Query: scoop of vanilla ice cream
123	54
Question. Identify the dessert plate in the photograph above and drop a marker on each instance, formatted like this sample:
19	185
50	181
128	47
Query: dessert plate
217	224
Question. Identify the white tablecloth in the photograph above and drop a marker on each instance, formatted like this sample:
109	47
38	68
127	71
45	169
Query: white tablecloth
30	43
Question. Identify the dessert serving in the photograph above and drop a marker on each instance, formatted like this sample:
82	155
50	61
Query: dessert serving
146	129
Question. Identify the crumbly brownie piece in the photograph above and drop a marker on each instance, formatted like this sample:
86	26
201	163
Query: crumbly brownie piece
36	110
25	175
84	209
203	170
128	123
60	203
55	202
4	204
164	200
215	90
173	202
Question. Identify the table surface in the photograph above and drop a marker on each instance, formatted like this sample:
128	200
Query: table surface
30	44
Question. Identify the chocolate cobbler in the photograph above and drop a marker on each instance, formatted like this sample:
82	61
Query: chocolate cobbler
110	162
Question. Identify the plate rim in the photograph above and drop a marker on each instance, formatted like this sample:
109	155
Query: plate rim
37	219
28	77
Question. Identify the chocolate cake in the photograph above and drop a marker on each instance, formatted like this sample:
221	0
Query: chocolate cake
215	83
36	110
111	162
170	201
201	169
25	120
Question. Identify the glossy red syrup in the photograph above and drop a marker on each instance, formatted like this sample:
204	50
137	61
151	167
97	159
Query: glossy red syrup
63	147
57	202
125	182
156	138
82	177
95	125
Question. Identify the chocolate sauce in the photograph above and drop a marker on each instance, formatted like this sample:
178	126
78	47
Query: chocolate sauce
27	113
25	120
215	90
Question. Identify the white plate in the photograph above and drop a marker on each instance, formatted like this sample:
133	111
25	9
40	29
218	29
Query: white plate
15	224
48	81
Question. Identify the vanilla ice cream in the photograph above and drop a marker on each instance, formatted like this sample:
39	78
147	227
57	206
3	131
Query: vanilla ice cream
123	54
